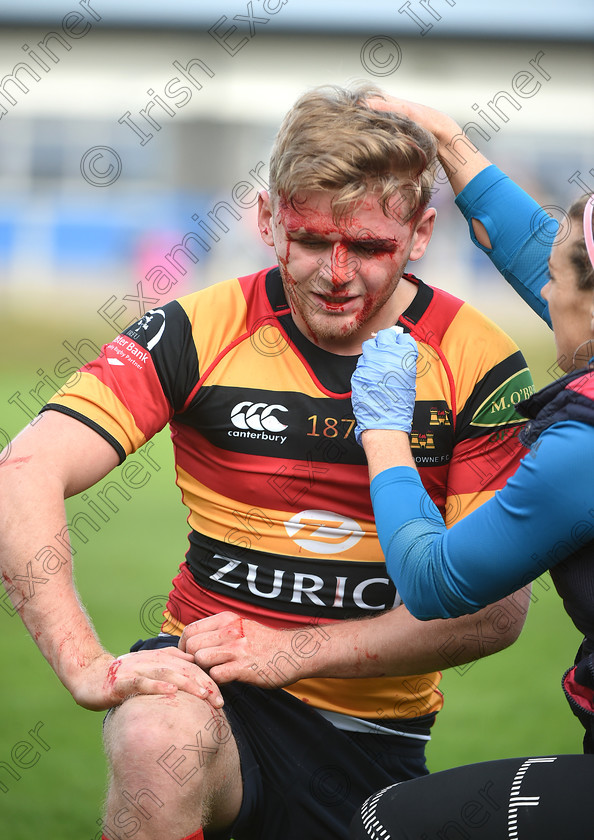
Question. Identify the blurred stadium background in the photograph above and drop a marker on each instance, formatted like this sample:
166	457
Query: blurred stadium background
95	194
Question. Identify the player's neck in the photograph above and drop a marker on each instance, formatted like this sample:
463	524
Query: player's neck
405	293
403	296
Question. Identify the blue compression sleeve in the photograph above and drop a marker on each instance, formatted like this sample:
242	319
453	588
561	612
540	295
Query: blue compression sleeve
533	523
520	231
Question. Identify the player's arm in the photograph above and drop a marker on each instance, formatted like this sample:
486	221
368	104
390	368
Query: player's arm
504	221
480	464
391	644
525	529
53	458
459	157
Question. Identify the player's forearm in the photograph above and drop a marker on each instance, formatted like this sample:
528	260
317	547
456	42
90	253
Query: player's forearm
385	448
37	575
396	644
459	157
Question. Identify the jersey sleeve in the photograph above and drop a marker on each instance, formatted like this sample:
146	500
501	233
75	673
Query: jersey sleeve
525	529
520	231
140	380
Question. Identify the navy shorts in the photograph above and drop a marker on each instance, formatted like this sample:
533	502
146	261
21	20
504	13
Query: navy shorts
541	798
303	777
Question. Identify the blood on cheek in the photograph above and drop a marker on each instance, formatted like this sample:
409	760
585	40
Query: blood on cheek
368	304
346	262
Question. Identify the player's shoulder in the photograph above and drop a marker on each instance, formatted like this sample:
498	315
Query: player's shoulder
469	325
223	297
216	293
489	371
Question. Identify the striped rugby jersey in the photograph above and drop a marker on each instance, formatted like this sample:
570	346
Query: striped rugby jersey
268	466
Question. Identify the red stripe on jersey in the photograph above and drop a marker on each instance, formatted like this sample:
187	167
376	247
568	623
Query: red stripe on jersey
133	374
440	313
277	483
431	329
483	465
435	482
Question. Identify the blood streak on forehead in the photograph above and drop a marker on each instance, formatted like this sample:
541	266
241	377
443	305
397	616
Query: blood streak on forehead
351	228
306	218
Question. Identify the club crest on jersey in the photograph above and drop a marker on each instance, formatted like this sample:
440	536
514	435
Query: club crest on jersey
422	440
258	420
439	417
152	324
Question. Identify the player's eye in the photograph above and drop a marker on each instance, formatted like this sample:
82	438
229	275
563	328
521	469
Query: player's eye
371	250
312	243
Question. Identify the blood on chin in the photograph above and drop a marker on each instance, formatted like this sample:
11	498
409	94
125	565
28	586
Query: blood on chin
334	323
326	326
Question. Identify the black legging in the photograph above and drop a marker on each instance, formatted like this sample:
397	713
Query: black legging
546	798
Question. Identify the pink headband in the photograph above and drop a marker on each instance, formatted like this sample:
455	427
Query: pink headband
589	239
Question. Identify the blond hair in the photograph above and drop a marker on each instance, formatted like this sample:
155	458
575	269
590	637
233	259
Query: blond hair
332	140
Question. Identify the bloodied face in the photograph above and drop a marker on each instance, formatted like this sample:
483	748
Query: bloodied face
342	278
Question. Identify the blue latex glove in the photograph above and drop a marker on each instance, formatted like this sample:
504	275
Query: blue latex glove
384	382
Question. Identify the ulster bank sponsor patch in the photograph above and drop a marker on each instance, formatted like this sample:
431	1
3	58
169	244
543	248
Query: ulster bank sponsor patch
499	408
123	351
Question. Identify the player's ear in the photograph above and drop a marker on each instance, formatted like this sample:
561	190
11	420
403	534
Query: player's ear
422	233
265	217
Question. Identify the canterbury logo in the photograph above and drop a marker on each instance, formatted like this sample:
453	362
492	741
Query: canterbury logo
323	532
257	416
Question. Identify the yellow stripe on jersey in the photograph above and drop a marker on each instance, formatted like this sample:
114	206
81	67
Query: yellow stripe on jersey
489	343
94	400
224	518
241	365
459	505
375	698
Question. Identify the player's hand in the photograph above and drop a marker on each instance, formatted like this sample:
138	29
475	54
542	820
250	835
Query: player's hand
459	170
230	648
442	126
107	682
384	383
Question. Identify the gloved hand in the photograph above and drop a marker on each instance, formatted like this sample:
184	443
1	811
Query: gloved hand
384	382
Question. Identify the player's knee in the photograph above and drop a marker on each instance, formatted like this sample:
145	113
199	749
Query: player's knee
169	732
